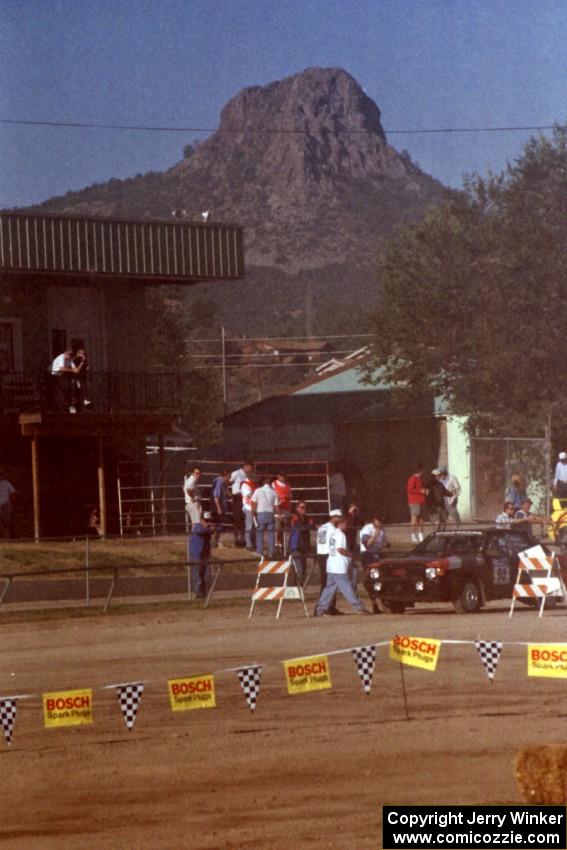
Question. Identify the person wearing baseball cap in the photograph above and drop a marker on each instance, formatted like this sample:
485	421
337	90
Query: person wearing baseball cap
199	552
560	477
335	516
526	517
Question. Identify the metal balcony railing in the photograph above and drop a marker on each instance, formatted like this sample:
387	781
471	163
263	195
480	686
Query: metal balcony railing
108	392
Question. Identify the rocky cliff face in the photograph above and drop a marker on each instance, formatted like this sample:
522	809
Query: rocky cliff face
304	165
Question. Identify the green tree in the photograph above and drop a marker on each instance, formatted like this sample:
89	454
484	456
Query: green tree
473	300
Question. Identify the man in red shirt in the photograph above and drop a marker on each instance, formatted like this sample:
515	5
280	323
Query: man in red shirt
416	502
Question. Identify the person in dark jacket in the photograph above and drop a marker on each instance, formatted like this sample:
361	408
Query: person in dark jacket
199	554
301	526
436	493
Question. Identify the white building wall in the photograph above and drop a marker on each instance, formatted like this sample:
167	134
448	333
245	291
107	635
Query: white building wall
459	462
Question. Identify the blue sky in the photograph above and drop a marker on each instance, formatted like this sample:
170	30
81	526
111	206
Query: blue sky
426	63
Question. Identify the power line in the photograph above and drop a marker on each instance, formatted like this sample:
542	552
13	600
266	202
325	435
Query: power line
80	125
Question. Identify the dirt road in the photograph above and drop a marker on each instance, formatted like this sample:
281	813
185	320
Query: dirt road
304	771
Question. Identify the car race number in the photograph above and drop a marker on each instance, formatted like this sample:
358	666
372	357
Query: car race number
501	571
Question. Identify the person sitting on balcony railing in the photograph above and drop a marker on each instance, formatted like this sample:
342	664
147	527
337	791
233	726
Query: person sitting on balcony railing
64	372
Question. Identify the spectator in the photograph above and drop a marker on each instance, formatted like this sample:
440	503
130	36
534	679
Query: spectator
237	478
526	517
416	502
372	541
81	364
337	490
451	483
63	374
507	518
300	539
351	533
199	554
515	492
7	493
323	532
436	495
560	477
338	563
192	493
283	490
219	503
265	504
247	489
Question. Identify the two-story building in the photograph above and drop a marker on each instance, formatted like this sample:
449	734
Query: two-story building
69	281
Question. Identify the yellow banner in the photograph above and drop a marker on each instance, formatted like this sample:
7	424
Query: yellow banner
415	651
546	659
192	692
307	674
68	708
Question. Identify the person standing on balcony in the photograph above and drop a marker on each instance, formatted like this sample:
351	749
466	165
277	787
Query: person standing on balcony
64	373
81	363
237	478
7	492
192	493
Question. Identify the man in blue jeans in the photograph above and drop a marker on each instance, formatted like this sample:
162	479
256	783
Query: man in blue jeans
199	553
265	504
338	563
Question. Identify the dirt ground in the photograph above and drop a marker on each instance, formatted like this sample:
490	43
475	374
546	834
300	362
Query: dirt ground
304	771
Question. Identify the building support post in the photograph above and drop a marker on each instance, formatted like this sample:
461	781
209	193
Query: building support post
35	484
101	486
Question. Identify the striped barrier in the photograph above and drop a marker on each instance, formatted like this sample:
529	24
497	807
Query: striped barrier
543	578
277	593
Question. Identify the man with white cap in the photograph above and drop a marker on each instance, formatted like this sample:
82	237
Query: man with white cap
338	563
199	553
323	552
560	478
451	483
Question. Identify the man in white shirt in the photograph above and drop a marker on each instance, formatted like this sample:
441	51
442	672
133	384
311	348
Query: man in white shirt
560	477
451	483
192	494
237	478
338	563
64	375
323	553
265	504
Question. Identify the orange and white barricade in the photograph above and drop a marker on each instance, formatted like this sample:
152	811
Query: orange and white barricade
278	592
539	578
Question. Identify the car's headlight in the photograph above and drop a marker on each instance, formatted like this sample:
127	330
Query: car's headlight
431	573
374	572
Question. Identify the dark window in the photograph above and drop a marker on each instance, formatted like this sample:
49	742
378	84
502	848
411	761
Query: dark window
58	342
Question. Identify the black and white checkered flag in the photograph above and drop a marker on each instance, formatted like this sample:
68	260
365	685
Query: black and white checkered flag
249	678
8	708
365	656
489	651
129	697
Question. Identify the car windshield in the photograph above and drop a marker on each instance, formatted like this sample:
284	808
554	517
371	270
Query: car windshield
432	545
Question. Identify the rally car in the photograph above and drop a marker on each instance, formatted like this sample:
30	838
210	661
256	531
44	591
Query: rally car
467	568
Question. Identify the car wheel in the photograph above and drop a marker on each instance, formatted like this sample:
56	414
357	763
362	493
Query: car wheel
389	606
468	600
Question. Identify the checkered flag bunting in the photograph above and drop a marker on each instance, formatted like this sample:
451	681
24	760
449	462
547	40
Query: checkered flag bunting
8	708
489	651
364	657
249	678
129	697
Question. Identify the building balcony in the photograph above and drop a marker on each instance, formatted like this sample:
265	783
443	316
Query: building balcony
107	392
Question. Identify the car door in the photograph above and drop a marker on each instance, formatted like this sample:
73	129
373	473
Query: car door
500	565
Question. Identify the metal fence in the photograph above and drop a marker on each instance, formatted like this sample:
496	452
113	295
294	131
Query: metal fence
108	392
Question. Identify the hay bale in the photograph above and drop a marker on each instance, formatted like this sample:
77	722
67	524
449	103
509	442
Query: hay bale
541	773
